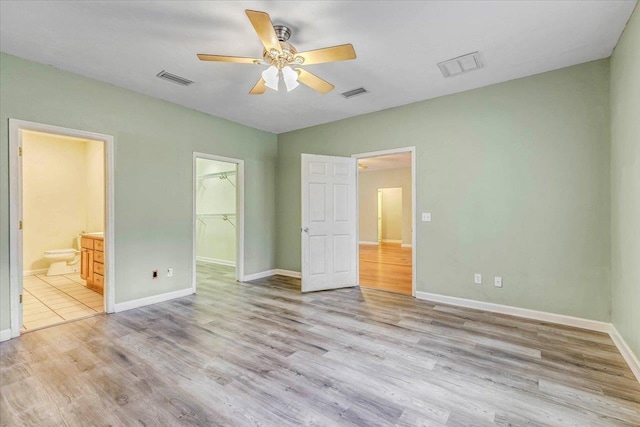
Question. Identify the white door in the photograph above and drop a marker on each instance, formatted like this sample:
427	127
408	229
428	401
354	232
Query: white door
329	198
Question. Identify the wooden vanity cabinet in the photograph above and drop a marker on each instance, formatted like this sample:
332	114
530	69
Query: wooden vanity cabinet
92	262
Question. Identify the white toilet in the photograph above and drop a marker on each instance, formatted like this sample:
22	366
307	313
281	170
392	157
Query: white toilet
64	261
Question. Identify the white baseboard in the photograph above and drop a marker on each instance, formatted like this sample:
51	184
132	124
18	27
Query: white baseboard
259	275
593	325
5	335
629	356
215	261
34	272
391	241
289	273
406	245
128	305
269	273
366	242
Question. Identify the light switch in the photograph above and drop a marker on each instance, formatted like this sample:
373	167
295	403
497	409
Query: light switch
426	216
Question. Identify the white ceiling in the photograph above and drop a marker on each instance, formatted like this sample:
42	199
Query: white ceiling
398	44
389	161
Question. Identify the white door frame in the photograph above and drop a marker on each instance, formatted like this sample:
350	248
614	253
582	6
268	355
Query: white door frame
15	210
411	150
239	214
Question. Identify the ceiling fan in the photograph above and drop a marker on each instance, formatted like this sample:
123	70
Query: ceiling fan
281	56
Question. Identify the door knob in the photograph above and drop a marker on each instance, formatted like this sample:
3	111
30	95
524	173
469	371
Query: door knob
306	229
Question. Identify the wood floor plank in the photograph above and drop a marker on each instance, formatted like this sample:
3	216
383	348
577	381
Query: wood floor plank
262	353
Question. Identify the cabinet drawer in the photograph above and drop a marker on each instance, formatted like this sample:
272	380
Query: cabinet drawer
98	245
98	256
98	268
98	282
87	243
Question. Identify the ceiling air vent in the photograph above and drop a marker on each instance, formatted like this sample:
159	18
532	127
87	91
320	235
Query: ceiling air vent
461	64
355	92
173	78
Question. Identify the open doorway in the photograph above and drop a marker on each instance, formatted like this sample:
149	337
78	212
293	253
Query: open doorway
61	225
218	226
386	221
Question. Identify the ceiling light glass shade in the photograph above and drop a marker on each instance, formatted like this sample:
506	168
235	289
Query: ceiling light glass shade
290	77
271	78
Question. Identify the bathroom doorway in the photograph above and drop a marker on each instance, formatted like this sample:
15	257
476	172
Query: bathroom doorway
63	233
60	246
217	220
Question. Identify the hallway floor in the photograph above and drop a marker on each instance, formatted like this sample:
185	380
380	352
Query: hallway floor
386	267
48	300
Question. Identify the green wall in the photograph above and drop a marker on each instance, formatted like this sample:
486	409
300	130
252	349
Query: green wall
154	141
516	176
625	183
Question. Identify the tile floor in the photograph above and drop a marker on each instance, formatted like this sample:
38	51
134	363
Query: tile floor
48	300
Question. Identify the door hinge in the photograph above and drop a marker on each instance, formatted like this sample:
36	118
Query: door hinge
20	225
19	151
20	298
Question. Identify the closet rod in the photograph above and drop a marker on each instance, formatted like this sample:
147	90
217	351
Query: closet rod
222	175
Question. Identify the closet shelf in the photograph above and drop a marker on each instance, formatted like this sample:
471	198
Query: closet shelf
221	175
225	217
212	215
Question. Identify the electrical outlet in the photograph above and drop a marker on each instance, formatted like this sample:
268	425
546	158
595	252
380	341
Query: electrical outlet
477	278
169	272
497	282
426	216
154	274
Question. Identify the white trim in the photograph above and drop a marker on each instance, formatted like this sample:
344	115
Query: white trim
628	354
366	242
274	272
288	273
34	272
406	245
414	208
239	214
15	211
5	335
260	275
154	299
215	261
391	241
593	325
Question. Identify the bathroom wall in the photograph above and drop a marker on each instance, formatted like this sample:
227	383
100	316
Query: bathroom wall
62	194
368	184
94	161
215	238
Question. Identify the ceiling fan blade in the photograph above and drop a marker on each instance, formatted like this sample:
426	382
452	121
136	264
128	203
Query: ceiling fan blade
259	88
313	81
328	54
222	58
263	26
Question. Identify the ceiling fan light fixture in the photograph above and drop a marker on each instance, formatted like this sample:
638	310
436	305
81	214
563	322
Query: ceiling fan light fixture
271	77
290	78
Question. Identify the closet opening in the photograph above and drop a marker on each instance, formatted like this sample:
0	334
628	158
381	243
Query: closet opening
217	220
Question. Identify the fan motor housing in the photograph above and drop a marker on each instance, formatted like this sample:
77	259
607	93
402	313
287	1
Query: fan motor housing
282	32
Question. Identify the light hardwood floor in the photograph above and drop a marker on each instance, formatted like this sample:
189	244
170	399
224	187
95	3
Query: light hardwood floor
386	267
262	353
